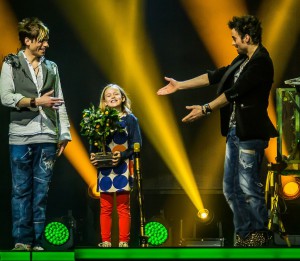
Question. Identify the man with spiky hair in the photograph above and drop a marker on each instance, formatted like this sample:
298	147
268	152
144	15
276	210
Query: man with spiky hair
38	130
242	97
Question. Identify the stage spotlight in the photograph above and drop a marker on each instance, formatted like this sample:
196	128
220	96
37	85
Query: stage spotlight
59	233
290	187
205	216
157	231
206	231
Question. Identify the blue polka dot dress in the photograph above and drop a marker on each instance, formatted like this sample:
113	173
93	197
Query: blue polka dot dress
120	177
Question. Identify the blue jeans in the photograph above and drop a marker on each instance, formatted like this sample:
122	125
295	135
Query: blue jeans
242	184
32	169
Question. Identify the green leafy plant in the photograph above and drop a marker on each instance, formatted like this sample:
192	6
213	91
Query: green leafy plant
98	125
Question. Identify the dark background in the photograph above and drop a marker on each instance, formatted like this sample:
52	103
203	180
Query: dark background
82	80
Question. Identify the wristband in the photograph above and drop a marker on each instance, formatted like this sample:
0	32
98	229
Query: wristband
32	103
206	109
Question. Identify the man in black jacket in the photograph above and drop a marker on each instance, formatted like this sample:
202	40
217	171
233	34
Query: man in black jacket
243	92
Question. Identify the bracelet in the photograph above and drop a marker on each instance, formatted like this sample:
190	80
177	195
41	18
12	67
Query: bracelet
206	110
32	103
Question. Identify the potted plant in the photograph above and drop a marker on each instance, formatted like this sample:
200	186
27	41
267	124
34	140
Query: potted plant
98	126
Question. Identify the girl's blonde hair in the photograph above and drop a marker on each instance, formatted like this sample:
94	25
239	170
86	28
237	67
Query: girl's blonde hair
126	104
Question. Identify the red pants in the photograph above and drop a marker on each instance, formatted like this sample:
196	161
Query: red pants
123	209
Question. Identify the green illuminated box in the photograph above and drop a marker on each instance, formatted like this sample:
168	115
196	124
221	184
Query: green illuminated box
288	125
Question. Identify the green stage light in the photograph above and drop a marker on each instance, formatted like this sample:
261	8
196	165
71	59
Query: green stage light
59	233
56	233
157	233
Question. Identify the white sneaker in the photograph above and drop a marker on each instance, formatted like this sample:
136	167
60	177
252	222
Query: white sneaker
123	244
104	244
37	248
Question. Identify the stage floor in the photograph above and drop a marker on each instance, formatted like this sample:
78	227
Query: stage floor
154	253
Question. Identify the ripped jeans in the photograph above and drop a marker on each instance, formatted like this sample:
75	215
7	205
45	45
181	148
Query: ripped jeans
242	185
32	169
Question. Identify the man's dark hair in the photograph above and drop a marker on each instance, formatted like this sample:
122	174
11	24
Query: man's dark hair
33	28
247	24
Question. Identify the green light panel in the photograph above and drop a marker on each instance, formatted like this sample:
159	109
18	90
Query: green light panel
56	233
157	233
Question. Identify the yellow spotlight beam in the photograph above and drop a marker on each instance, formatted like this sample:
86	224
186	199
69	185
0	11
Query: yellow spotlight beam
8	29
121	49
210	19
76	153
281	31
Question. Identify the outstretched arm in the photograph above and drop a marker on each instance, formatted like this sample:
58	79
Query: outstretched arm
174	86
198	111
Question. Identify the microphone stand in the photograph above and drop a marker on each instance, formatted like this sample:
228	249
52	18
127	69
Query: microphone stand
143	237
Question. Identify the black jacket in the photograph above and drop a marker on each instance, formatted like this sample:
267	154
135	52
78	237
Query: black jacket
251	94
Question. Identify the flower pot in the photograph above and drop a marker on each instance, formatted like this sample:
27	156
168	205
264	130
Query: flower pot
105	159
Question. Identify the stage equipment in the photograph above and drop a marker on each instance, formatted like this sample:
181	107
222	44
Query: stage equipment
59	233
288	124
289	187
205	234
295	82
205	216
282	184
157	233
137	168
